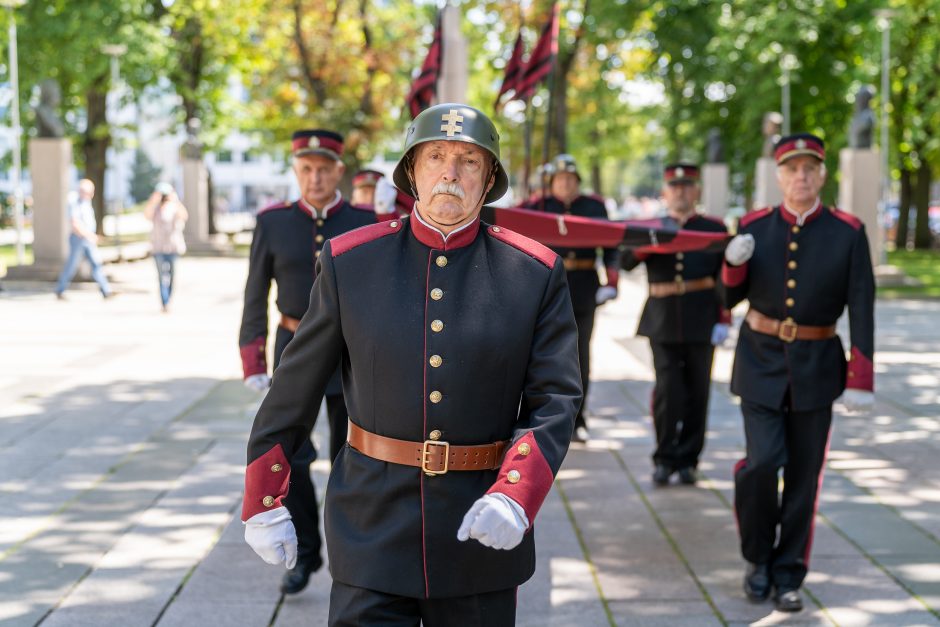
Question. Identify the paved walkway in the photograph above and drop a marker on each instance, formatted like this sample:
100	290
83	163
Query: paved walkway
122	435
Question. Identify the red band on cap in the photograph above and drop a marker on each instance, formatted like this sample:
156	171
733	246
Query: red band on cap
314	142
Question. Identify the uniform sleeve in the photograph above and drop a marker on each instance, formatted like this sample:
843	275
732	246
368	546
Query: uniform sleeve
550	400
611	257
630	259
733	282
861	305
253	335
288	413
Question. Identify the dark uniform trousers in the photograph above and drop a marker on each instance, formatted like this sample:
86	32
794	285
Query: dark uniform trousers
679	328
582	283
287	241
807	272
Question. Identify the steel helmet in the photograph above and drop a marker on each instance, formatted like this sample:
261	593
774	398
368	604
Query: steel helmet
452	122
565	163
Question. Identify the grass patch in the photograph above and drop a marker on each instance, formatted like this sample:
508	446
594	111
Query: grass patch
923	265
8	255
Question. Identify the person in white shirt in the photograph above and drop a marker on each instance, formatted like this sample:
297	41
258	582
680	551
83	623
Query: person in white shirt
83	242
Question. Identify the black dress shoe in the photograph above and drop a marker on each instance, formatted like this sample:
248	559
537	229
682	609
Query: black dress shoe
757	582
297	577
661	474
788	601
687	475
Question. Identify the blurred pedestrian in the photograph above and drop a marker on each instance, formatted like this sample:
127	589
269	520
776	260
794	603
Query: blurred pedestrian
363	188
83	242
168	216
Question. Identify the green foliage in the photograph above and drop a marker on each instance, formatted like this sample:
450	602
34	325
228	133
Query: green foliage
144	176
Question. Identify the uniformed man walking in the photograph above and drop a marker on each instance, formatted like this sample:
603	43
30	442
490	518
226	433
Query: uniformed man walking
587	292
799	265
363	188
460	371
684	321
288	239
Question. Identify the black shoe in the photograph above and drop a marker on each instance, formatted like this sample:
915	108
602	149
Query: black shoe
297	577
788	601
580	434
661	474
757	582
687	475
60	295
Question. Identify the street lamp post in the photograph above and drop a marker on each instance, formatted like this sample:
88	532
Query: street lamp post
115	51
884	18
17	133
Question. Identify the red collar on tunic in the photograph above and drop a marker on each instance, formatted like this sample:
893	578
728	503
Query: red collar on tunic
433	238
791	217
330	209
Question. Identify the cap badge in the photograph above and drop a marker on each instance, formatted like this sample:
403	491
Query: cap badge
801	144
453	120
314	141
680	172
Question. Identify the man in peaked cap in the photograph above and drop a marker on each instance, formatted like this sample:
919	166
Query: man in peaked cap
799	265
684	321
587	290
461	377
288	239
363	187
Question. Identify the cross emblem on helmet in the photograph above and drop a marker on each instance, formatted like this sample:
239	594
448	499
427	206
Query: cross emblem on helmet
453	120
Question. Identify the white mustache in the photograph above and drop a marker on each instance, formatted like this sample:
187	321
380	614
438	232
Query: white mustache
448	188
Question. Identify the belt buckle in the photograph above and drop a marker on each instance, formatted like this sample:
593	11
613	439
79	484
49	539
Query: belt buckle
787	331
680	287
425	453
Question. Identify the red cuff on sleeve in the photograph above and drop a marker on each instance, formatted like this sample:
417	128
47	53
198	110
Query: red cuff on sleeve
525	476
613	275
254	359
861	374
724	316
266	483
733	275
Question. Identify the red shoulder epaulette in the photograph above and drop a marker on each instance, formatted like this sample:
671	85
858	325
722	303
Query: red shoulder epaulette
850	219
357	237
529	246
369	208
278	205
753	216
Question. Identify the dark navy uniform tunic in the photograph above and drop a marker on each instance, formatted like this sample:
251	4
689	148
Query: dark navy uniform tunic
472	336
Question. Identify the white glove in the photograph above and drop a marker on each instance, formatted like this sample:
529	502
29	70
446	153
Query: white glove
739	249
385	195
271	534
604	294
719	333
496	521
857	400
258	382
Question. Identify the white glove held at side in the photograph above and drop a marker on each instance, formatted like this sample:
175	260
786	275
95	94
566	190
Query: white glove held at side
604	294
857	400
739	249
496	521
258	382
384	199
272	536
719	334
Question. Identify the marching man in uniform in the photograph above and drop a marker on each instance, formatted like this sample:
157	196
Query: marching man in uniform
587	293
799	265
288	239
461	377
363	188
684	321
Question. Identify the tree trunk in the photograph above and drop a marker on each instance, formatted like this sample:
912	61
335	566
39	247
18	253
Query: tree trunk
922	239
596	163
95	143
904	209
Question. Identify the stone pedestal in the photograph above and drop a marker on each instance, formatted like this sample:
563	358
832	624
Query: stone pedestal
715	194
766	189
860	191
195	198
50	160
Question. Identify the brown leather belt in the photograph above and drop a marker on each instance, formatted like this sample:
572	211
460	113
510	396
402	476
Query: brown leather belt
435	457
676	288
289	323
579	264
787	330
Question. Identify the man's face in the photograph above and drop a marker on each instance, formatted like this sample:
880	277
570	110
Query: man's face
565	186
318	176
800	180
449	179
363	195
680	198
86	189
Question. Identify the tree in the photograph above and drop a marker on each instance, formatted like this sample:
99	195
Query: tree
144	176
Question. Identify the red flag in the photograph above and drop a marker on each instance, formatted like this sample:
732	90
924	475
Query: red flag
424	88
542	58
513	69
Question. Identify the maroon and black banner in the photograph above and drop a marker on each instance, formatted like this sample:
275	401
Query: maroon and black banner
645	236
424	88
513	70
542	58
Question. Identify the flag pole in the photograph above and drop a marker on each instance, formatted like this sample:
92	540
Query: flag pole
527	137
551	88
